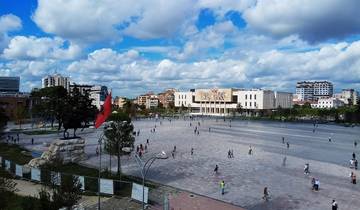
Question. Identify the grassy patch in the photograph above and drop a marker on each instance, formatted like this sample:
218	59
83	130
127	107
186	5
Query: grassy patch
14	153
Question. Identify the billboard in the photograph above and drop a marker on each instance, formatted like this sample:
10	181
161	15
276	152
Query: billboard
106	186
35	174
218	95
18	170
7	165
137	192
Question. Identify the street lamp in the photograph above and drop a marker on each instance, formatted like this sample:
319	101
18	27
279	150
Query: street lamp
100	143
145	168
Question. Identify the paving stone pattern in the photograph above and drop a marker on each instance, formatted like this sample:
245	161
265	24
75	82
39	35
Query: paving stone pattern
245	175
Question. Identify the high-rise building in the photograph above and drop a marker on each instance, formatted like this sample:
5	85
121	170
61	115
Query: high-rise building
56	80
98	94
323	89
305	91
9	84
82	88
310	91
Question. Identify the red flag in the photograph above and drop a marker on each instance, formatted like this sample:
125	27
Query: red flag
104	114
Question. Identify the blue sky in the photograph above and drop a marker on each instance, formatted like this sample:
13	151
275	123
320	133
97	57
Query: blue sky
135	47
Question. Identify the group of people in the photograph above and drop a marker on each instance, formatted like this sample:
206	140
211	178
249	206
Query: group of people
141	149
354	161
230	153
315	184
13	139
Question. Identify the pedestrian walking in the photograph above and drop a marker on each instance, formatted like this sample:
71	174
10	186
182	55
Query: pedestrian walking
329	139
306	169
313	183
147	141
353	178
283	140
288	145
32	141
222	187
229	154
192	151
317	185
355	143
97	151
334	205
356	164
216	169
266	194
250	150
354	155
209	129
284	161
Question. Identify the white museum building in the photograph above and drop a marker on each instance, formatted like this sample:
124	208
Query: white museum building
223	102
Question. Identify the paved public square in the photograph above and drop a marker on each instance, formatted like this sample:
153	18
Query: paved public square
245	175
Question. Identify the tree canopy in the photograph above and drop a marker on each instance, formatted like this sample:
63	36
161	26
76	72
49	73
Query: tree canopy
70	110
119	135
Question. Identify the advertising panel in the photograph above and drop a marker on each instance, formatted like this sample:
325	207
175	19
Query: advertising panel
137	192
35	174
218	95
106	186
18	170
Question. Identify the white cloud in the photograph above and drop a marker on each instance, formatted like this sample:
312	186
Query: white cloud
93	21
8	23
161	18
212	37
85	20
130	74
28	48
311	20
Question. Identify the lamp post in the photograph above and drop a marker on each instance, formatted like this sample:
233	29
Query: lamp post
100	143
145	168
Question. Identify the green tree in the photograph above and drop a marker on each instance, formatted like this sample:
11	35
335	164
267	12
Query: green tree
68	193
20	115
3	121
49	104
70	110
118	136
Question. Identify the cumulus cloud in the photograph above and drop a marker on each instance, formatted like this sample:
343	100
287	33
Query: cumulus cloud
8	23
92	21
28	48
312	20
161	18
84	20
212	37
130	74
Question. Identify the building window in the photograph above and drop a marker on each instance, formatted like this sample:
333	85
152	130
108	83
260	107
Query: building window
250	103
250	96
245	103
245	96
255	97
255	104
